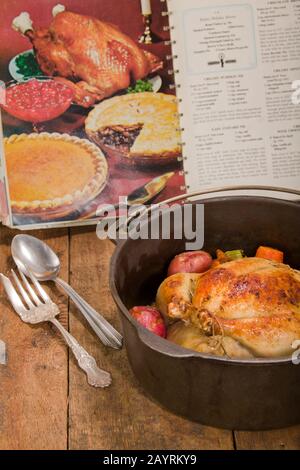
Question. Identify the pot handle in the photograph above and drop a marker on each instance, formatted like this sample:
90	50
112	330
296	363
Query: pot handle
161	345
217	189
182	197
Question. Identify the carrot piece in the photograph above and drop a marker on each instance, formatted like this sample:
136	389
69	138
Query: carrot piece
220	255
216	263
270	253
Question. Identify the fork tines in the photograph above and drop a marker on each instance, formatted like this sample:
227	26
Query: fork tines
33	295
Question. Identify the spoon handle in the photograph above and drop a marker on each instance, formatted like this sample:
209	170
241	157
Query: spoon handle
103	329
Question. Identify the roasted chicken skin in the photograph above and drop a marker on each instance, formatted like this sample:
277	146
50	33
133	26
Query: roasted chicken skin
253	301
190	337
98	58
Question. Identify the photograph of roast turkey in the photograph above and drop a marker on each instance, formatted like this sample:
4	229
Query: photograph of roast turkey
95	57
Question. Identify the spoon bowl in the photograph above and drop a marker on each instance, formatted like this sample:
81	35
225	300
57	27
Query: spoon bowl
30	253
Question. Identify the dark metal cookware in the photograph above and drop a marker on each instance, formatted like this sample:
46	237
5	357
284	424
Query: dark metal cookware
236	394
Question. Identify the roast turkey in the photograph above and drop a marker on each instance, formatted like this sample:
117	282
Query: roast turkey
253	302
97	58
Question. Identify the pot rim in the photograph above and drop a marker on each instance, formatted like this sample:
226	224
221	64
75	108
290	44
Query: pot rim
168	348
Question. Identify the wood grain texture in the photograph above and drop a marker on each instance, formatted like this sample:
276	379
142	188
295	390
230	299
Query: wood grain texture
121	417
34	384
33	405
281	439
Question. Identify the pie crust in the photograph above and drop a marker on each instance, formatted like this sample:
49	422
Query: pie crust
153	119
52	172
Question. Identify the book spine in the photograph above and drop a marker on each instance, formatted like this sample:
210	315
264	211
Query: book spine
172	59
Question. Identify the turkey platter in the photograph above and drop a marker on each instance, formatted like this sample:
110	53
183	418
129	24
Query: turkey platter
94	57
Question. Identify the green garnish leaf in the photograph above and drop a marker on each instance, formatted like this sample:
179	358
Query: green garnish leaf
27	65
141	86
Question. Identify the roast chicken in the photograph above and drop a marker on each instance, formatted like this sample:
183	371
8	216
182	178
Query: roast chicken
244	308
95	57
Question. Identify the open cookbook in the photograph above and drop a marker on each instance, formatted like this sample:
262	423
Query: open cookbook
143	99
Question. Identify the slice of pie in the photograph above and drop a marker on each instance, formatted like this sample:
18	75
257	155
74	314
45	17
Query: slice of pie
52	172
142	127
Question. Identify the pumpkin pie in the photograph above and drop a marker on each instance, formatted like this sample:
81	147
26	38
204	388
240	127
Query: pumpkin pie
52	172
141	126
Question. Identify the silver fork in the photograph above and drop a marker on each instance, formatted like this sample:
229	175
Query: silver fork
35	307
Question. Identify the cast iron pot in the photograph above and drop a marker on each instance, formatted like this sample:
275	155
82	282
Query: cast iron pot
252	394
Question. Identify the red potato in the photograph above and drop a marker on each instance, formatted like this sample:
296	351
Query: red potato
150	318
190	262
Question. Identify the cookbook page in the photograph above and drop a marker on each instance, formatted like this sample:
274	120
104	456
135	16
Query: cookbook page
90	113
238	62
4	211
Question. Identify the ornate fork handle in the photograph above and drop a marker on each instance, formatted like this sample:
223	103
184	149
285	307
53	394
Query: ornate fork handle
96	377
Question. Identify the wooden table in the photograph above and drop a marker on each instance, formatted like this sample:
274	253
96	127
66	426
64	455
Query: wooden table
46	402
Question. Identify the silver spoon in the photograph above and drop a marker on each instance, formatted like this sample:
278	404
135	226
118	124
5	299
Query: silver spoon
33	255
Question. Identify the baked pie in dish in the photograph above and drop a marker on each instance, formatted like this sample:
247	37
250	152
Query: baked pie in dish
141	128
52	173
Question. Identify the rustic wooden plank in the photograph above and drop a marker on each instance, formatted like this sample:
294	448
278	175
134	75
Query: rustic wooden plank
280	439
121	417
34	384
